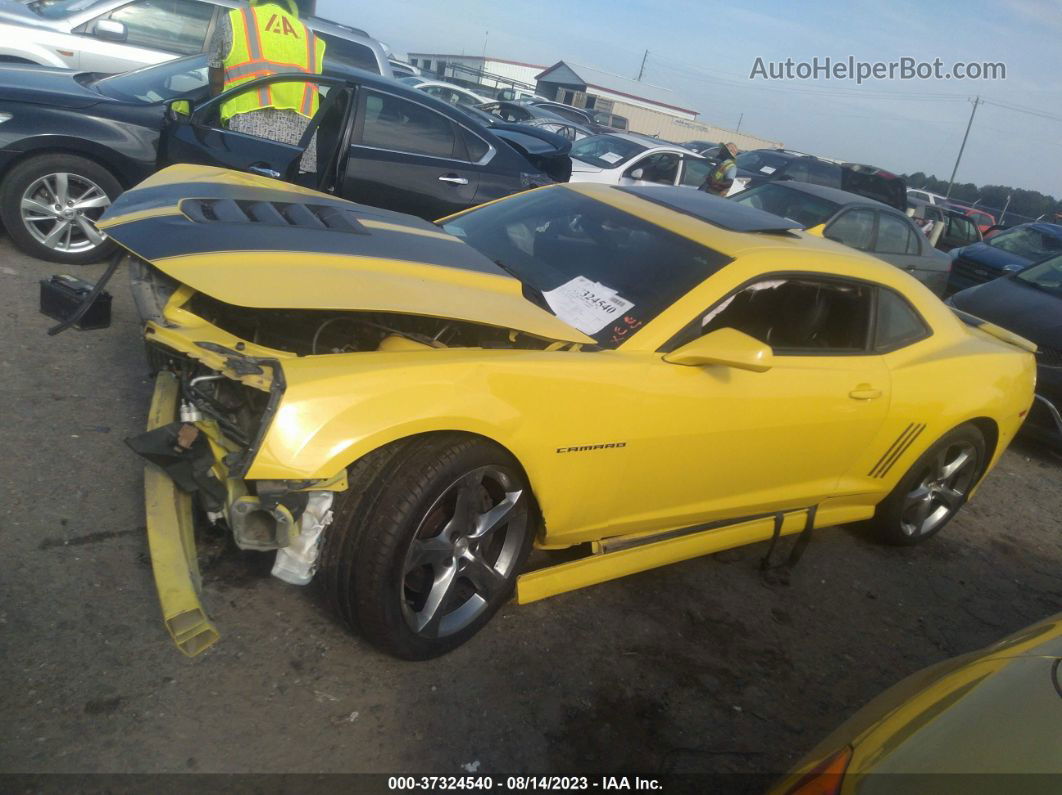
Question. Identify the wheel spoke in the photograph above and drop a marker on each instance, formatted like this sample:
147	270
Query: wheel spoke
34	206
52	240
427	620
487	523
468	490
90	230
948	470
62	188
950	498
486	579
93	202
432	552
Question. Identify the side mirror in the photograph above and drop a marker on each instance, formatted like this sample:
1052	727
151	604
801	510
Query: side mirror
110	30
818	231
638	173
728	347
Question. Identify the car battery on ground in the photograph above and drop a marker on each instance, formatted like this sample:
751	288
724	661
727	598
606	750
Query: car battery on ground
62	296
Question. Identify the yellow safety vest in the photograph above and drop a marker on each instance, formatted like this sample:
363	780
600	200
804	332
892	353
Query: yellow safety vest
267	40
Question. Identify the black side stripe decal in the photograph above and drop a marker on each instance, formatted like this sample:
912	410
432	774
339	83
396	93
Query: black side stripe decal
887	453
896	451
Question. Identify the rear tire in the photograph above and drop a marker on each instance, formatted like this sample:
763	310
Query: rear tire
50	203
427	543
933	490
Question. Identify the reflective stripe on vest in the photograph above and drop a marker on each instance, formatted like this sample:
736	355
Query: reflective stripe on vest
267	40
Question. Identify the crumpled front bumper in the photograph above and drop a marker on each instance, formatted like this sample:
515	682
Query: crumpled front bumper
171	538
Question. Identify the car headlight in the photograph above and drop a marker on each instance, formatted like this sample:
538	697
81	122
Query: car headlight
5	117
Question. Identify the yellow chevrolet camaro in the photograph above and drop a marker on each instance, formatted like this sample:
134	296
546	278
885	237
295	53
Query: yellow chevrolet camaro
401	410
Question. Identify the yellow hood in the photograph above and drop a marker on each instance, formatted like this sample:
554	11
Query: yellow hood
255	242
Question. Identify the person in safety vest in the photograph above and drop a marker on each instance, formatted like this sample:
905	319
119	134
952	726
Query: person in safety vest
266	38
721	177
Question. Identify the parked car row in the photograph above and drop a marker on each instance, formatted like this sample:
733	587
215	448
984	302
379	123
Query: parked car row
70	142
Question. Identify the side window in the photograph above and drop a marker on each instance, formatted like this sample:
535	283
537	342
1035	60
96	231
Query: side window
661	167
695	172
343	52
400	125
798	170
798	316
476	146
898	324
178	26
854	228
893	235
824	174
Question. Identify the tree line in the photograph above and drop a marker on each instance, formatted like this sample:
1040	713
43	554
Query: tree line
1026	204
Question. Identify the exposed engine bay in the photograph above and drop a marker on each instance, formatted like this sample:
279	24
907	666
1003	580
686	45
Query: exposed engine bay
308	332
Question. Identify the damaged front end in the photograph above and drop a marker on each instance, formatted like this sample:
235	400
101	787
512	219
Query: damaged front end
204	428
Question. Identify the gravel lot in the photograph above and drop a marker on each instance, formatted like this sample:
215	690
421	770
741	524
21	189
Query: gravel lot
700	667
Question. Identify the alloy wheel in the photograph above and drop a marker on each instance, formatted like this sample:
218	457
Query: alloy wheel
465	552
60	211
941	490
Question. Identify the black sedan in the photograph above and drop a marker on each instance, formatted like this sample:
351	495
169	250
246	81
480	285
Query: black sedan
1029	303
71	142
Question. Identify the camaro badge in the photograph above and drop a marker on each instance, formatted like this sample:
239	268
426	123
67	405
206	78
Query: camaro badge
583	448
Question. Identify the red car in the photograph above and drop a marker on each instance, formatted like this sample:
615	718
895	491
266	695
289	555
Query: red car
981	218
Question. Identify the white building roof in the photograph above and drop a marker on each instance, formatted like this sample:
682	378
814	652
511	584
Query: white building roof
569	73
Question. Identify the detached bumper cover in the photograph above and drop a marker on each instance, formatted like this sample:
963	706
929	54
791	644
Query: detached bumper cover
171	537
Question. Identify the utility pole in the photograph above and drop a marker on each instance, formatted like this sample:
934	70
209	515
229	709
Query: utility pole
742	116
642	70
951	182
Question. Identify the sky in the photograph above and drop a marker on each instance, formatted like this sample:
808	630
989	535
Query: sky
705	52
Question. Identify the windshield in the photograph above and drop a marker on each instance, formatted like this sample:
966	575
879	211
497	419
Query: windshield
598	269
1046	275
776	198
606	151
158	82
57	9
1025	241
762	162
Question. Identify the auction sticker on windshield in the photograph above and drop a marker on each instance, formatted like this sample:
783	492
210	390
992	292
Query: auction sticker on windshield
587	305
611	157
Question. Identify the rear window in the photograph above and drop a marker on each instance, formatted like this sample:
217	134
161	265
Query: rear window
343	52
606	151
776	198
1026	242
597	268
765	163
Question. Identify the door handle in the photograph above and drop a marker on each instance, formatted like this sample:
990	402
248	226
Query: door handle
453	179
264	171
865	392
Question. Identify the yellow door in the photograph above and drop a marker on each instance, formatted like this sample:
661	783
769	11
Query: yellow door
715	442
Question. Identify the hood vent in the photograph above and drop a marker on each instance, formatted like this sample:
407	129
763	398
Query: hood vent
305	216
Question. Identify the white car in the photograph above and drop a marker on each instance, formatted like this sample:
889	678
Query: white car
628	159
925	196
112	36
448	92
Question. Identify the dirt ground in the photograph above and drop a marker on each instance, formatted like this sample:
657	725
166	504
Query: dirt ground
696	668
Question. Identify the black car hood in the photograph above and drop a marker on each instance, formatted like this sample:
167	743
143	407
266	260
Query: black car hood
1016	306
985	254
45	85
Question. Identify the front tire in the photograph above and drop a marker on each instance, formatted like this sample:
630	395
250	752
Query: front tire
426	545
50	203
933	490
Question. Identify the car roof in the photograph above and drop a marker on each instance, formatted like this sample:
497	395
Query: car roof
835	195
729	241
651	143
713	209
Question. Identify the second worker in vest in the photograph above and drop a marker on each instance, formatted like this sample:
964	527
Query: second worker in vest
721	177
268	38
